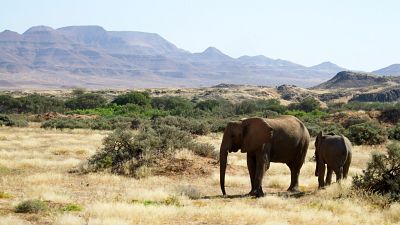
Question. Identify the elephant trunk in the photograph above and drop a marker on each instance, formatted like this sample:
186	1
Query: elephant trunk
316	164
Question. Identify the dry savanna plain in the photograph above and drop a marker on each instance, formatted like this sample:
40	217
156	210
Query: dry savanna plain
36	163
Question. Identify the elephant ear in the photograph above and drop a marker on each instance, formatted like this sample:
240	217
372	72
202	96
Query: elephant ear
245	129
270	131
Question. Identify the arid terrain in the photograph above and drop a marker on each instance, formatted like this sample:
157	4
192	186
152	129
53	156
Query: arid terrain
35	164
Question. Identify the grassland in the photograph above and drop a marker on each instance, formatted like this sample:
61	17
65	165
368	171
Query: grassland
35	164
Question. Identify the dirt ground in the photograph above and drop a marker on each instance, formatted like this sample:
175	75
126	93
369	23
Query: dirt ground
35	164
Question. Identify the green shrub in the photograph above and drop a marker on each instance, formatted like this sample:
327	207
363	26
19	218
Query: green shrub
307	105
254	106
33	103
369	133
5	195
126	153
172	200
128	110
382	175
353	121
391	115
72	208
367	106
394	132
177	105
31	206
86	101
205	150
133	97
219	124
208	105
8	104
95	124
192	126
5	120
65	123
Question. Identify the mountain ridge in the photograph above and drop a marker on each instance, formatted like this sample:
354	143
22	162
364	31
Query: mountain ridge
91	56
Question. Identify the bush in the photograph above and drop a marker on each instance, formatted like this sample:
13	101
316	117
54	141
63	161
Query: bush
207	105
135	155
189	191
31	206
353	121
95	124
177	105
5	120
72	208
8	104
33	103
134	97
86	101
63	123
394	132
192	126
307	105
205	150
369	133
382	175
391	115
254	106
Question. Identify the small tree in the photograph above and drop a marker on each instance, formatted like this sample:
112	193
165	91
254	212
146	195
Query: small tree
382	175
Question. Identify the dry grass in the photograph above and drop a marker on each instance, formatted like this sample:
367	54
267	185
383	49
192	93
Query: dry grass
34	164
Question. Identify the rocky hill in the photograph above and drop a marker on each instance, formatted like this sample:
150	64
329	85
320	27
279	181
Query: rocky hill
351	79
90	56
387	95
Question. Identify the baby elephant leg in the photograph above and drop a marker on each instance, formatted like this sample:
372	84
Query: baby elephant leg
321	174
339	174
328	180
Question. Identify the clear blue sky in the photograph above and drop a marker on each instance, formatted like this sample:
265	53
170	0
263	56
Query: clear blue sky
356	34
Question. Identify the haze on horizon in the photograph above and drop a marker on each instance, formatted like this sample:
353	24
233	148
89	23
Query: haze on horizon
355	34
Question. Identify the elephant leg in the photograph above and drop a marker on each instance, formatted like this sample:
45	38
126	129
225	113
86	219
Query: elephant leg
294	177
321	174
339	174
328	179
346	167
260	170
251	166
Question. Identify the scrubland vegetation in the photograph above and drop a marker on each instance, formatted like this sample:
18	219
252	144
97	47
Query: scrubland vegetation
138	159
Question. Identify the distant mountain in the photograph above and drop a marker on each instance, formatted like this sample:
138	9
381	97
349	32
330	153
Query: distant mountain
90	56
392	70
328	67
351	79
211	54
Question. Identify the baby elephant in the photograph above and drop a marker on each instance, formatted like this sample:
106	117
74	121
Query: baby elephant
335	151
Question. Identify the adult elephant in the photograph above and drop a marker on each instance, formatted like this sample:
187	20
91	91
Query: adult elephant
284	139
334	151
